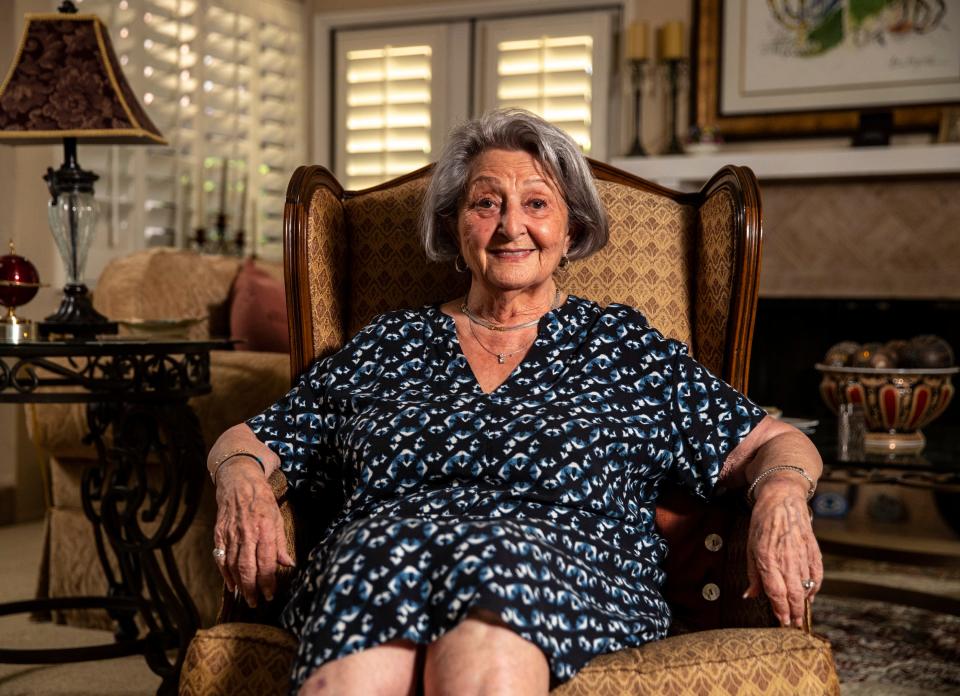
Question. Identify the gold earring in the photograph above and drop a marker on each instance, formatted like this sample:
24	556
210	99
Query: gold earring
456	264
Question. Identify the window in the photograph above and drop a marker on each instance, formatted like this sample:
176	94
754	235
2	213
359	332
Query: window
397	92
222	80
558	69
393	102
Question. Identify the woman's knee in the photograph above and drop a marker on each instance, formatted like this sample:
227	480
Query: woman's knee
385	670
482	655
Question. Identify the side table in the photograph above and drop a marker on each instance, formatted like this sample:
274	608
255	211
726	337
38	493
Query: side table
898	511
136	393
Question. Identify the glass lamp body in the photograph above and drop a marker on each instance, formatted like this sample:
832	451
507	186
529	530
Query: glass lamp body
73	219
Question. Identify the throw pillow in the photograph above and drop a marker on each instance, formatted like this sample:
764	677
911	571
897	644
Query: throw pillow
258	311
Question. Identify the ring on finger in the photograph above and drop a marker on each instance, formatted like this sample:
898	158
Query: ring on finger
808	584
219	555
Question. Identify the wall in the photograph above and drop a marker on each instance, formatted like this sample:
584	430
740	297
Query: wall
893	238
655	93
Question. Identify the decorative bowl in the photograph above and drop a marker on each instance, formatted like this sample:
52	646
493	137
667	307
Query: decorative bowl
896	403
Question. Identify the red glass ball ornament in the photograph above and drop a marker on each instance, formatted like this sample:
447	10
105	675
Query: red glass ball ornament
19	280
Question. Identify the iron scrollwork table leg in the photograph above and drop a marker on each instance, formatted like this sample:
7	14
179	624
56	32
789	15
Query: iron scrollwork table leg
141	496
141	499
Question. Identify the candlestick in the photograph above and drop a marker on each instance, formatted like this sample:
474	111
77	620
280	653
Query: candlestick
638	68
221	225
223	185
242	213
185	212
239	237
673	67
201	195
255	232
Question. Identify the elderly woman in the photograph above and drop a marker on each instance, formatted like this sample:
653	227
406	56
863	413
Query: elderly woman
499	456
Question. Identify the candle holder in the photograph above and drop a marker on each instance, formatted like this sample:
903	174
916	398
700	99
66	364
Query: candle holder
638	68
675	67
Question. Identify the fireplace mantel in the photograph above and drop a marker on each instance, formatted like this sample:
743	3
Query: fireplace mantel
689	172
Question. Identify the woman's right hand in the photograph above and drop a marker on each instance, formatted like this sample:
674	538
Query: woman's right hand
249	529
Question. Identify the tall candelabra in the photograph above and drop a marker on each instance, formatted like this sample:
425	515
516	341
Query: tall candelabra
638	68
670	44
674	69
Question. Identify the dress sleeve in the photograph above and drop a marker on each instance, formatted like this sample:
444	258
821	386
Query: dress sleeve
296	428
709	418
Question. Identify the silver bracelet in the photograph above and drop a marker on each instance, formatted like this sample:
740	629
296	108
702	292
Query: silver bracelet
230	455
774	469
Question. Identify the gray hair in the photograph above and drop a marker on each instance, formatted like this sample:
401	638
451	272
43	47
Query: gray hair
519	130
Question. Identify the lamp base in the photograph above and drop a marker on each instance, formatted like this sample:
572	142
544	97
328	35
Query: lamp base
76	317
13	329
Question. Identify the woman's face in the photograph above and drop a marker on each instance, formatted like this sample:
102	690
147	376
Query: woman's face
512	225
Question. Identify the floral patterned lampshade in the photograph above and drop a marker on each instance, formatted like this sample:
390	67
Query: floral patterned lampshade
66	82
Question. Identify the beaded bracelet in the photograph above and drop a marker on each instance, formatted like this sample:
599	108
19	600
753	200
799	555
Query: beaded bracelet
230	455
774	469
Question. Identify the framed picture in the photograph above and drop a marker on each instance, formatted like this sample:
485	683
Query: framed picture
949	126
787	68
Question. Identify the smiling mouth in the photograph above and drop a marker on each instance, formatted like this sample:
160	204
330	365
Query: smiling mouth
510	253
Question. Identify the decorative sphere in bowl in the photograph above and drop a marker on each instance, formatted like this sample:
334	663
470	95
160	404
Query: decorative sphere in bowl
896	403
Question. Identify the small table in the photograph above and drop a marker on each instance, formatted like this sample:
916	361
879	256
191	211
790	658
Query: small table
901	509
138	390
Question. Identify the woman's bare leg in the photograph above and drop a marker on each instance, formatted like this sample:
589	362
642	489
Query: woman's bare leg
481	656
386	670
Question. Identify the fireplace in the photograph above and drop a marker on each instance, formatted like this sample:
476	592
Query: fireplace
792	334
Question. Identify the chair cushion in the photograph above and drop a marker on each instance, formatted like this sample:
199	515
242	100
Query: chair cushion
735	661
240	659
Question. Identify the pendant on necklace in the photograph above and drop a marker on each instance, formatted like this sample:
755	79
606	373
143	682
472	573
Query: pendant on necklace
500	358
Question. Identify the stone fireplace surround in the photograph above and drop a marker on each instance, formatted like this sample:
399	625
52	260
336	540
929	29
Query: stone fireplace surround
862	260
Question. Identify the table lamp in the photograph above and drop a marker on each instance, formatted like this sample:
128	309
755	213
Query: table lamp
65	84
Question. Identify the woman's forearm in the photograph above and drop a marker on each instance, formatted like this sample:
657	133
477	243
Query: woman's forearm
787	447
240	438
771	444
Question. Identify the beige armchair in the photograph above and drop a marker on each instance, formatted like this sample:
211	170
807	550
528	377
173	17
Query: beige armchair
691	263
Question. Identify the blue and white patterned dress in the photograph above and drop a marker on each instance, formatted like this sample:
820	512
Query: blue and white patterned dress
535	502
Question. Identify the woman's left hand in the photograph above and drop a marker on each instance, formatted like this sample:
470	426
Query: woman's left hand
782	553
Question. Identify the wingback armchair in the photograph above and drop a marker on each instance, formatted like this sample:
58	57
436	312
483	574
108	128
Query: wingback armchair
690	262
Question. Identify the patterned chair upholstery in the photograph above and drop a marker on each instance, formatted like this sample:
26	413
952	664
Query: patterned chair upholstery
690	262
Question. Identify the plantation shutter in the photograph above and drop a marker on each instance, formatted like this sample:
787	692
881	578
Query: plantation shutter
391	111
557	67
223	81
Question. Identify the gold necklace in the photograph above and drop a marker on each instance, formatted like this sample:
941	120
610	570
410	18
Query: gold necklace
476	319
501	357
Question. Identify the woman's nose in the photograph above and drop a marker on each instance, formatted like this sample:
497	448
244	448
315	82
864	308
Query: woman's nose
512	224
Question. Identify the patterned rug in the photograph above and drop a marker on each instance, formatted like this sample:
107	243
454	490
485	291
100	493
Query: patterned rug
883	648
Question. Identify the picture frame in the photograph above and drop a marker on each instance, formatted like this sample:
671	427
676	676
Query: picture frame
711	73
949	126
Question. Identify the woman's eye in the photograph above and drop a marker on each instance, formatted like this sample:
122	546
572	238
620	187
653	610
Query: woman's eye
486	203
538	204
